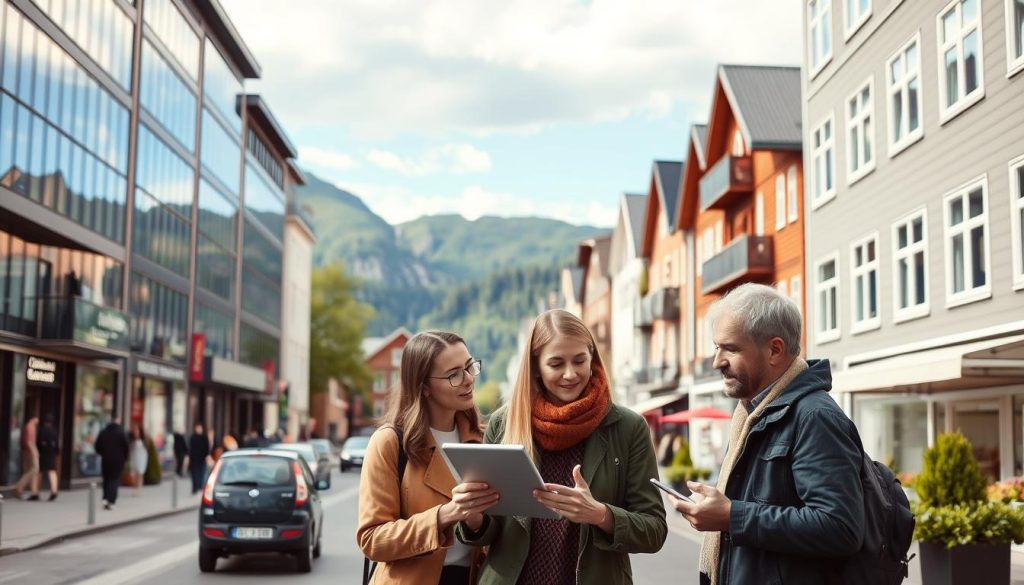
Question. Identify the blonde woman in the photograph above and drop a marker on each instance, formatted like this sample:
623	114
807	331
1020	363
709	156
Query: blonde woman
406	522
596	459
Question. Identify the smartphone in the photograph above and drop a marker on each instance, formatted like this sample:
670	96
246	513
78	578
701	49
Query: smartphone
669	490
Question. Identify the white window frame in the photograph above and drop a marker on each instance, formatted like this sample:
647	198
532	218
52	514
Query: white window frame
827	335
851	28
903	89
968	295
737	144
815	25
901	315
1014	63
867	323
759	213
825	195
865	116
796	292
780	201
1016	204
791	194
949	111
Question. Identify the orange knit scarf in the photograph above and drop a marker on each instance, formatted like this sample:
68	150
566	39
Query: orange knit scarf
557	427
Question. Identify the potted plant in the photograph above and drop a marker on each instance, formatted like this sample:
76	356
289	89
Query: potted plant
683	469
964	538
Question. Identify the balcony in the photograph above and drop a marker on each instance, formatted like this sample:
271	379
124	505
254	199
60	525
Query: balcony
657	376
730	178
82	327
665	304
744	257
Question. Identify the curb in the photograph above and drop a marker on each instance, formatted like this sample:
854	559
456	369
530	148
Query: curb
94	530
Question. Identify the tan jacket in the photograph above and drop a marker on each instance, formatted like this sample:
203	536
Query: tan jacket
400	531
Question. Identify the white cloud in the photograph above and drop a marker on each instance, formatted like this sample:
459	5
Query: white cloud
457	159
432	67
325	158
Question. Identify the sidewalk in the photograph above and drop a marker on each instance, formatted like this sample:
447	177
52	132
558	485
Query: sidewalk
25	525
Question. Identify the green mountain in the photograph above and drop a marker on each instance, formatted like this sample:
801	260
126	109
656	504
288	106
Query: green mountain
478	278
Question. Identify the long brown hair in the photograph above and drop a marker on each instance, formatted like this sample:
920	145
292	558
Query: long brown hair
547	326
407	406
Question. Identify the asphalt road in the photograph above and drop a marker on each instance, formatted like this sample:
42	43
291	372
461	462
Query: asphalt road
164	552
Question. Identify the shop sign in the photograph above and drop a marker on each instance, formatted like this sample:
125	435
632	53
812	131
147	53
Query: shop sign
41	371
101	326
197	367
156	370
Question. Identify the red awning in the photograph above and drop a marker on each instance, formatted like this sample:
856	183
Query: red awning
687	415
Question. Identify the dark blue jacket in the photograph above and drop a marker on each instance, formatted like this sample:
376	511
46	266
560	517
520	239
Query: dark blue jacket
797	503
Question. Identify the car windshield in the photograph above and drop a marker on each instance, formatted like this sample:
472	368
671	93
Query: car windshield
304	451
321	448
357	442
254	471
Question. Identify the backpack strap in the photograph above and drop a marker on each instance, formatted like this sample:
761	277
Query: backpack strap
403	459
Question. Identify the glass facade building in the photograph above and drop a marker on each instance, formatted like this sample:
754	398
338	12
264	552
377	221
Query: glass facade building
139	250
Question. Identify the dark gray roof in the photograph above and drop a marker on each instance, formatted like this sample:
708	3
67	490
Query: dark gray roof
766	101
668	174
602	247
577	273
699	133
636	208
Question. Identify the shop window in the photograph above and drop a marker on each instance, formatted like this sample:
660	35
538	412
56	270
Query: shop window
95	389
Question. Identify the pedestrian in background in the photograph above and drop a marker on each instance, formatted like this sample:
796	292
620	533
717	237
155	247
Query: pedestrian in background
112	447
406	522
48	444
29	460
198	451
788	502
180	451
139	457
595	457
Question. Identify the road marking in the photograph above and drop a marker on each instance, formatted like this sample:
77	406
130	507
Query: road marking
12	576
151	565
340	496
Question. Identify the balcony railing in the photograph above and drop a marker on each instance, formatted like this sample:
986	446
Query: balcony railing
745	256
76	319
731	177
665	304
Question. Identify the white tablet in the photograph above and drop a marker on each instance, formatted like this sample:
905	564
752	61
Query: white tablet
507	469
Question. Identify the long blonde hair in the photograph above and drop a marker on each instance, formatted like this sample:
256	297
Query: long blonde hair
547	326
407	407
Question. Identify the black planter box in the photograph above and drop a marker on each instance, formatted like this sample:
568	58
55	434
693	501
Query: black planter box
970	564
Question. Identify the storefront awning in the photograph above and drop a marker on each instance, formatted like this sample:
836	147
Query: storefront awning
657	402
992	362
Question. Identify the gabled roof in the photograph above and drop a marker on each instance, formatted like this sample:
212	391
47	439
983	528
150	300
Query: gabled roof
603	247
666	177
699	137
576	274
383	342
633	206
766	103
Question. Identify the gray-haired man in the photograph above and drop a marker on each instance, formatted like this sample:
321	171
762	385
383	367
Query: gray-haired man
788	501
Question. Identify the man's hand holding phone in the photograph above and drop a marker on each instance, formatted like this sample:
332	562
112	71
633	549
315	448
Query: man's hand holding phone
706	509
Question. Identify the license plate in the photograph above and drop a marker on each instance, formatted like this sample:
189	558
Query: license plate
254	533
357	460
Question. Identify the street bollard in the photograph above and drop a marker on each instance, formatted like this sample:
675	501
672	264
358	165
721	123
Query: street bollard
174	492
91	518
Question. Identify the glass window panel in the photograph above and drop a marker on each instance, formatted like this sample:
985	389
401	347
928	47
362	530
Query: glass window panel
159	319
265	201
952	81
971	62
221	87
958	263
6	141
12	38
901	236
1018	28
218	216
256	347
977	203
160	235
217	327
167	97
914	116
175	33
260	254
956	211
904	283
978	257
969	8
215	268
163	174
950	24
27	65
919	284
260	297
221	154
897	116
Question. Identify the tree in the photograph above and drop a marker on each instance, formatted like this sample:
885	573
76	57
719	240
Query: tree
338	323
488	397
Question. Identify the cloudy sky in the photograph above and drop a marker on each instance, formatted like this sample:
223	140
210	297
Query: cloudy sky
500	107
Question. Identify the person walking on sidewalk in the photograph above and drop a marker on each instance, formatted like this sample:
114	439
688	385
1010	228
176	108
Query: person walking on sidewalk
48	445
180	451
789	501
29	459
139	458
596	459
112	446
198	451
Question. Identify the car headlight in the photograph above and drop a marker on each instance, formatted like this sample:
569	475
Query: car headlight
345	455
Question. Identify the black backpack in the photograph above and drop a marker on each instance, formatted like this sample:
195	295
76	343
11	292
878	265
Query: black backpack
888	530
370	566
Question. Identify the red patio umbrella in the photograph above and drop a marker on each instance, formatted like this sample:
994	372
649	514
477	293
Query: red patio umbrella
688	415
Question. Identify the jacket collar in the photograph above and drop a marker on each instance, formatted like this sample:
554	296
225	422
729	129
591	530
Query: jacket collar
438	476
816	378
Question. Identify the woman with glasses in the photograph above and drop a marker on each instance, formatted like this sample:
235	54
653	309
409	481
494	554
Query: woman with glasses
408	500
596	460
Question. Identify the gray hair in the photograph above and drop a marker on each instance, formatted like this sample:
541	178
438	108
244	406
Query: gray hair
764	312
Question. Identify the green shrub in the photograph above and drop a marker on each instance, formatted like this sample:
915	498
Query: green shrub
680	474
153	474
682	458
950	475
969	523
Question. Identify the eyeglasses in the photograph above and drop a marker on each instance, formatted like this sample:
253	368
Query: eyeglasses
457	378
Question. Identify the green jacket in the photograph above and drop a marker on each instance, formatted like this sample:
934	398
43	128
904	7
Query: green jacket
618	462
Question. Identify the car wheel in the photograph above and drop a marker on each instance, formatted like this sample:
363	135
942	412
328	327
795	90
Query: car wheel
344	468
207	560
304	560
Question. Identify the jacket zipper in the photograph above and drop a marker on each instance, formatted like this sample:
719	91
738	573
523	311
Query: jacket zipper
579	554
724	577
